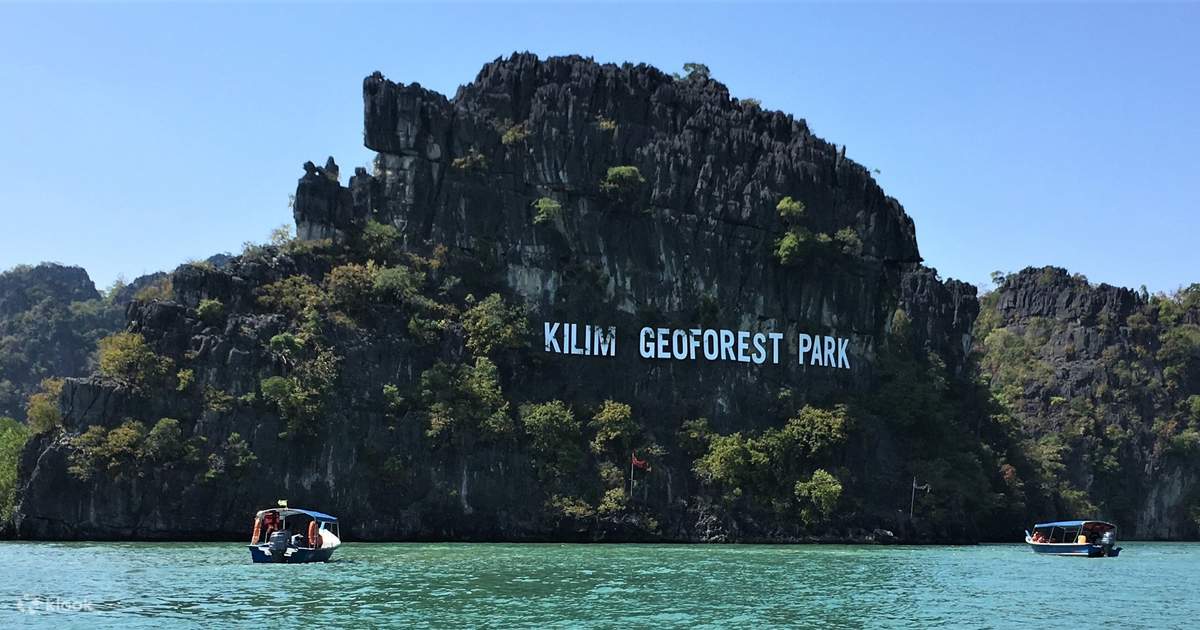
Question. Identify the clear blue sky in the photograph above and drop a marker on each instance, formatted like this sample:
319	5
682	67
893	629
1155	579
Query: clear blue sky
135	137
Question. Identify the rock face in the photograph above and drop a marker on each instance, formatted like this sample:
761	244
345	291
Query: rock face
1105	380
698	233
943	315
687	240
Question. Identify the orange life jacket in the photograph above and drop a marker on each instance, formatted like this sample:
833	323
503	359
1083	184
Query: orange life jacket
314	537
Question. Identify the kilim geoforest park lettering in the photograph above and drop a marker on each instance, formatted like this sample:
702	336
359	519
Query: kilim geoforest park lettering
691	344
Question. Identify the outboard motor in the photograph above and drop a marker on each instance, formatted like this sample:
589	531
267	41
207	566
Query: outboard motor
1107	542
278	544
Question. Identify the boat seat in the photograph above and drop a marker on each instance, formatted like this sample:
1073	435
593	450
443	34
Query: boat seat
1081	540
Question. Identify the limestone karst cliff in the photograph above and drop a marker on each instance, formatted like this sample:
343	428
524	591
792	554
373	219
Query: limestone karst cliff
390	364
1104	383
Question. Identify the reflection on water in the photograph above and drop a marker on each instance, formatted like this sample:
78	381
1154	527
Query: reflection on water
135	585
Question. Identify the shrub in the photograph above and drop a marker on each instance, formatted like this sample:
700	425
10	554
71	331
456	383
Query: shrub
124	443
465	401
400	284
254	252
696	71
233	460
694	436
570	507
379	239
514	134
611	475
425	331
614	502
211	312
615	428
202	265
298	406
789	208
766	467
814	430
554	433
1186	443
281	236
473	161
622	182
83	460
818	496
286	345
1180	347
238	451
128	358
299	399
164	443
546	209
351	285
392	398
309	247
217	400
793	246
160	290
184	379
851	244
727	463
606	124
277	389
41	412
114	453
13	436
290	295
491	324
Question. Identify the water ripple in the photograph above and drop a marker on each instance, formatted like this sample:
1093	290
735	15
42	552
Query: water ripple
141	585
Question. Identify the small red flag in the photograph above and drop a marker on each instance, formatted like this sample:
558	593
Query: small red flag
638	463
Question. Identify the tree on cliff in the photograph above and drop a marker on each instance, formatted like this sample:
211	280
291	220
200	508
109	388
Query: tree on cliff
13	436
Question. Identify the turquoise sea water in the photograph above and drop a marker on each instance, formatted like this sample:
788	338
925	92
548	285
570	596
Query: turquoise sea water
140	585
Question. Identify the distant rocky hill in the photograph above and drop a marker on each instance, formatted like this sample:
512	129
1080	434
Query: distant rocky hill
1105	384
419	360
51	317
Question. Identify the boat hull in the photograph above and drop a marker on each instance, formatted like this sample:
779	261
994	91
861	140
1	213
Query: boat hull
262	554
1083	550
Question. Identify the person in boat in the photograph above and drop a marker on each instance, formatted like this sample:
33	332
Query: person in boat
270	524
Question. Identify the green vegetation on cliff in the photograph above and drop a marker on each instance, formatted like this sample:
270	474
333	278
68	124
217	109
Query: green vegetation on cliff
13	436
1100	384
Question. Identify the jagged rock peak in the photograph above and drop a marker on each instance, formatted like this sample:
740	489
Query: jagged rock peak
556	125
1054	292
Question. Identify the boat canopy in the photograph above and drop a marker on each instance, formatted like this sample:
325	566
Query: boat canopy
320	517
1073	524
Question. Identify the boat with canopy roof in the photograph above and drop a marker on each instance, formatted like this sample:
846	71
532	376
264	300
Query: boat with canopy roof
1091	539
293	535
